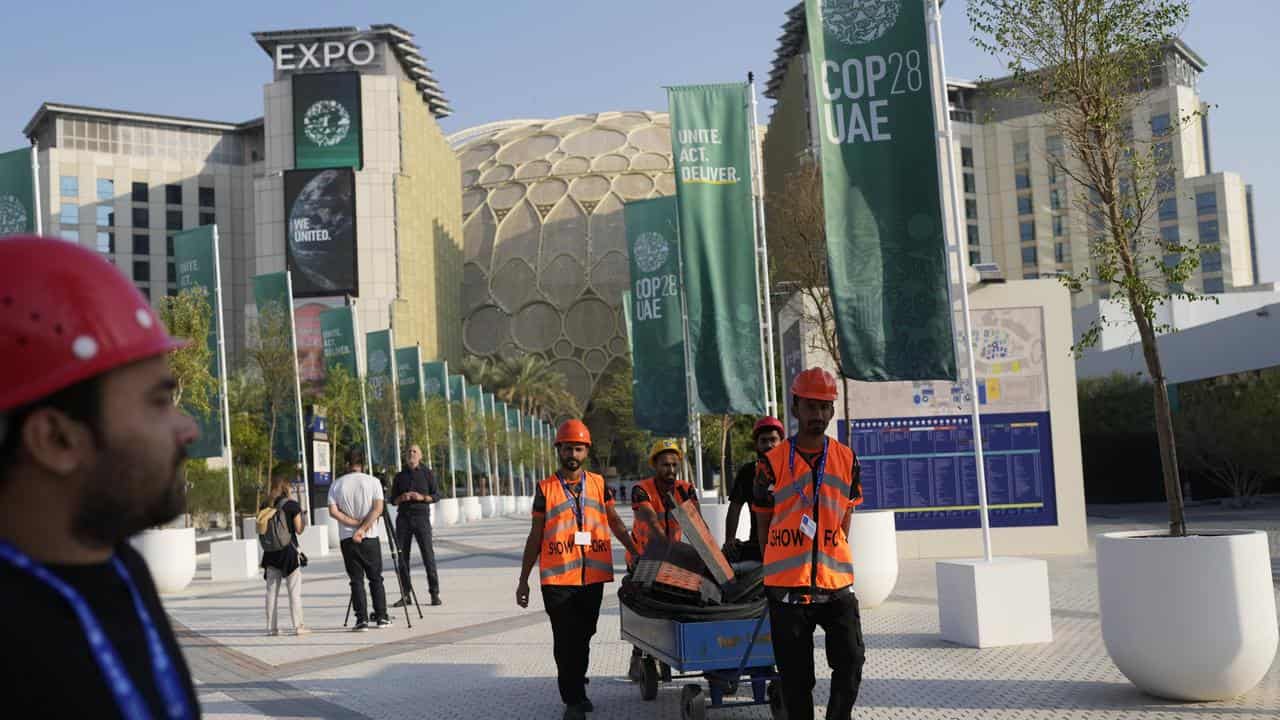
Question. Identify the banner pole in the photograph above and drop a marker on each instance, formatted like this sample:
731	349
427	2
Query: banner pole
762	255
360	379
448	422
297	381
952	197
35	182
227	454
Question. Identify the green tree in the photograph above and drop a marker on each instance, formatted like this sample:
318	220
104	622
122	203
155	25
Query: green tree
528	382
1089	63
611	418
250	443
270	351
384	418
340	398
186	315
1227	427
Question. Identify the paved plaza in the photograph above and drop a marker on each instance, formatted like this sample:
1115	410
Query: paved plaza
481	656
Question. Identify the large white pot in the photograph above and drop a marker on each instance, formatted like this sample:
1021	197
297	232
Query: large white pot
714	514
1190	618
873	538
508	504
524	505
488	506
322	518
445	512
171	556
471	510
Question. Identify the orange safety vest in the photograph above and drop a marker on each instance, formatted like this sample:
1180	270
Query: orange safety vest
791	558
666	520
560	561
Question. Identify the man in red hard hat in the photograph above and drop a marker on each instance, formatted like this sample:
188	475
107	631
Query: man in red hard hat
573	516
91	451
803	506
766	434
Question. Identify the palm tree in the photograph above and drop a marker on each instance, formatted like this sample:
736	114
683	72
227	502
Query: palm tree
528	382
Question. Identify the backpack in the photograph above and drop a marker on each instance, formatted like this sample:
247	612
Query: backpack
273	530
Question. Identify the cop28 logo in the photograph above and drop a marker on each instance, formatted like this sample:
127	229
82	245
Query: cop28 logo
326	123
13	215
651	251
378	362
854	22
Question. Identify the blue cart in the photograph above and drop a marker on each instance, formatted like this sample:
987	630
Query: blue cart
724	652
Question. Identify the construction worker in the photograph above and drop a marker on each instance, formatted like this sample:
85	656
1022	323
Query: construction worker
651	501
803	505
91	452
766	434
573	515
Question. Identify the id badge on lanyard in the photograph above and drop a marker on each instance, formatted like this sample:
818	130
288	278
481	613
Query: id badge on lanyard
807	524
581	538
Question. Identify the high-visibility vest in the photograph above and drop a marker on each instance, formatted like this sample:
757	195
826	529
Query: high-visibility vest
791	558
560	561
666	520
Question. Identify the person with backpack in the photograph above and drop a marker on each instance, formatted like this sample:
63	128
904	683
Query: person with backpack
279	523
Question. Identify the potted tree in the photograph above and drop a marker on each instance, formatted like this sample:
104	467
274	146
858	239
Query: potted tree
1185	615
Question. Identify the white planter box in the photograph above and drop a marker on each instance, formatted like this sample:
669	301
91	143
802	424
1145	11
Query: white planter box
471	510
322	519
524	505
249	528
314	541
714	514
508	503
988	604
488	506
445	512
171	556
1190	618
233	560
873	539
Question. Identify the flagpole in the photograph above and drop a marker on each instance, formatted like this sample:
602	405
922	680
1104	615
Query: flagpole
227	454
395	393
448	422
938	69
360	378
297	382
762	254
35	182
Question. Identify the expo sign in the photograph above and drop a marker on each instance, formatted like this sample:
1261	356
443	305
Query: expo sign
319	55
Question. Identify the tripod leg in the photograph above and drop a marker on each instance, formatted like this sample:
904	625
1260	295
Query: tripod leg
395	560
347	617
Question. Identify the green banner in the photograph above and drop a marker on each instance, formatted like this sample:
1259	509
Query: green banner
435	379
326	120
710	142
338	331
458	397
195	257
886	254
476	407
273	297
17	193
383	412
409	375
654	324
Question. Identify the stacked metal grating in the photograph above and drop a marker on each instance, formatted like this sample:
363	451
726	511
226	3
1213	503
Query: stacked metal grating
695	533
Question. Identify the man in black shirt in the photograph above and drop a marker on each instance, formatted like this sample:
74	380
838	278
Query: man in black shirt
91	452
413	492
767	433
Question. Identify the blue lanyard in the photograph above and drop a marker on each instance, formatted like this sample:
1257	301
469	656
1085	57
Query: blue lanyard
819	470
128	699
577	502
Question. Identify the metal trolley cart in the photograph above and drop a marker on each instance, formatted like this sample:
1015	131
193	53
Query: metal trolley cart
725	652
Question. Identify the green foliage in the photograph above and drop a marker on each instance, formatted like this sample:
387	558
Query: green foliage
1117	404
1227	428
187	315
270	352
251	449
611	418
383	405
527	382
340	399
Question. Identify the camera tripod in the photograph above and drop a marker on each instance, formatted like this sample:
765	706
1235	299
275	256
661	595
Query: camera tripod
395	560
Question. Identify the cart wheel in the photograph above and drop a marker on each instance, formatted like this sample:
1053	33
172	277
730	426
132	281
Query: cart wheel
692	706
664	671
776	708
648	679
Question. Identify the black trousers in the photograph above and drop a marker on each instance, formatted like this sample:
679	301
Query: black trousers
792	628
364	560
411	525
574	611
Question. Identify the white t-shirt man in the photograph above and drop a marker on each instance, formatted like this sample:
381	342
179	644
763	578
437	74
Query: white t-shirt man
354	494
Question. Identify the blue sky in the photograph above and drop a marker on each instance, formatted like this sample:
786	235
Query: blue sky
545	58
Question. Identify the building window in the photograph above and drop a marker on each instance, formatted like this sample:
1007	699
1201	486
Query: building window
1171	260
1054	177
1166	182
70	235
1211	261
973	235
1059	252
975	257
106	242
173	220
206	197
1053	147
1214	285
1030	275
69	186
172	272
1169	235
1208	230
971	209
69	214
168	246
1021	153
1055	199
1027	230
106	215
139	193
141	245
970	184
1059	227
171	291
106	189
1163	153
173	194
1024	205
1029	255
1160	125
141	217
1022	180
141	271
1207	203
206	218
1169	209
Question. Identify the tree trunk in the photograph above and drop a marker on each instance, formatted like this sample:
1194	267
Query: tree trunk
1164	428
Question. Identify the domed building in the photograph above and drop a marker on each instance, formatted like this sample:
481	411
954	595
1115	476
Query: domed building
544	243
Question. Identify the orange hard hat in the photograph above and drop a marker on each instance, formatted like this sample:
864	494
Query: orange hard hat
815	384
573	431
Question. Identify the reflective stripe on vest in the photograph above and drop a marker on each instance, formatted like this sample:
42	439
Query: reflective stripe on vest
789	553
665	520
560	561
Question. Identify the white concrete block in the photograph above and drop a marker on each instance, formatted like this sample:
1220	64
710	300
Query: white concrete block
990	604
233	560
314	541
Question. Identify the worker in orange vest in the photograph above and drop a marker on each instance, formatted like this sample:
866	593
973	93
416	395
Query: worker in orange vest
803	505
572	516
651	501
766	434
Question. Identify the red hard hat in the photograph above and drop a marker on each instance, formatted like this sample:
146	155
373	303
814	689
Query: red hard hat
815	384
67	315
573	431
768	423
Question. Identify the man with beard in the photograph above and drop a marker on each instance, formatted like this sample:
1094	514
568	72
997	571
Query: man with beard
91	452
765	435
572	517
803	503
413	492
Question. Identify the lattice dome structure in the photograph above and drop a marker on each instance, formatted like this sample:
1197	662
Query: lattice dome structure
545	249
